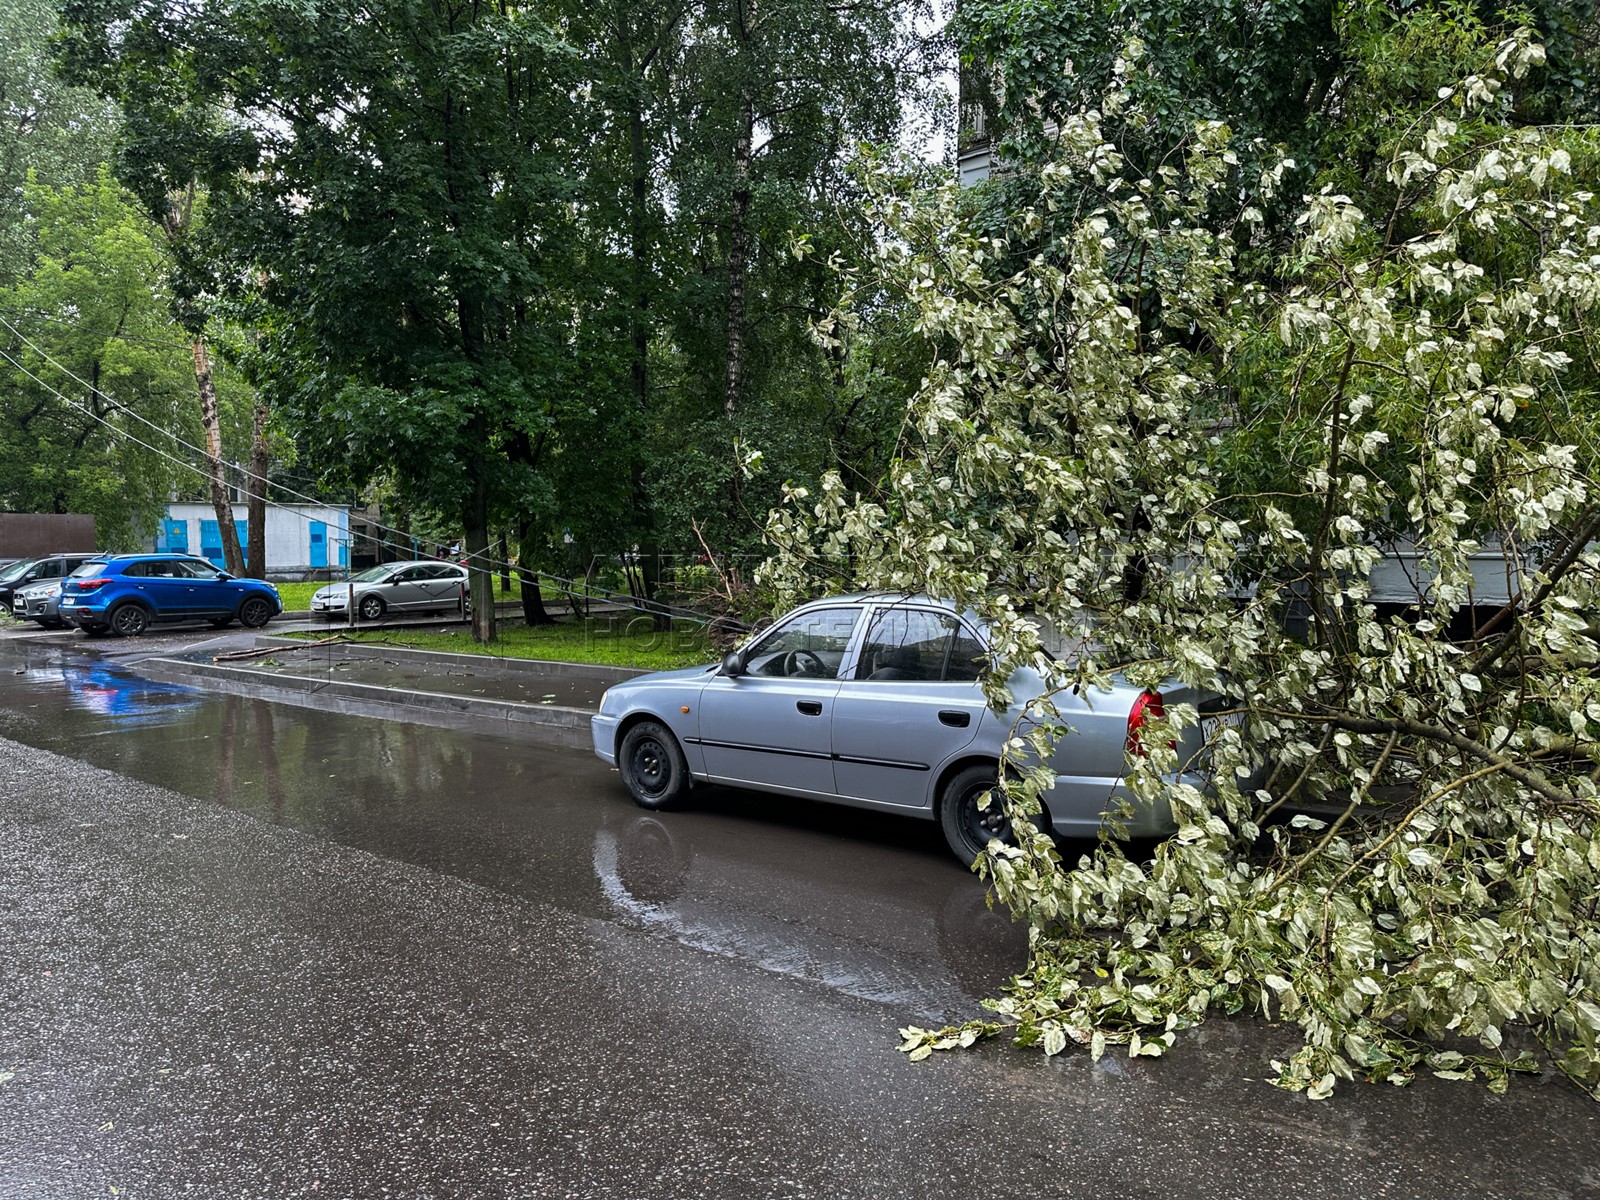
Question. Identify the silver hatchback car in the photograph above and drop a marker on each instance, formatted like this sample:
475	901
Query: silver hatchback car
876	701
397	587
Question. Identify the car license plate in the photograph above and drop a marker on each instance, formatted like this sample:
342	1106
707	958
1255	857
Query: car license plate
1211	725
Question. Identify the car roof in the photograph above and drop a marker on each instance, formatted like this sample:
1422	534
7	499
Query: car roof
160	557
921	599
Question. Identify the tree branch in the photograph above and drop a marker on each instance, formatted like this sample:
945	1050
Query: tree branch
1385	726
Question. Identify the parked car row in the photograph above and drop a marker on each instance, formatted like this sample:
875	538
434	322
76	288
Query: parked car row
125	594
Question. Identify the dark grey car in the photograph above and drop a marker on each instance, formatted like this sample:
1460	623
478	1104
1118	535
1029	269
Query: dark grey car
876	701
18	575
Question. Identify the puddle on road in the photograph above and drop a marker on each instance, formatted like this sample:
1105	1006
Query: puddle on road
110	691
861	903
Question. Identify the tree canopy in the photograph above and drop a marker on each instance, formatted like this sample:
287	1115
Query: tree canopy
528	262
94	343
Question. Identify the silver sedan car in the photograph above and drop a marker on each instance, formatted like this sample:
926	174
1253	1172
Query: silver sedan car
397	587
875	701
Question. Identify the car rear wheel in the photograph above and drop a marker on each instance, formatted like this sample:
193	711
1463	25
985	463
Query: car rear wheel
652	765
129	620
371	607
967	827
254	613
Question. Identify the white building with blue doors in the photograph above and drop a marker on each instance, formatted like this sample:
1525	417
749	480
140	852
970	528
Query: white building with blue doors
300	537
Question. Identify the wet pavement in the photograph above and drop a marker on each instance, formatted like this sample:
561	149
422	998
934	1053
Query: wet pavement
254	949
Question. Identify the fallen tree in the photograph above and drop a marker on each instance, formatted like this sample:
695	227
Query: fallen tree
1195	466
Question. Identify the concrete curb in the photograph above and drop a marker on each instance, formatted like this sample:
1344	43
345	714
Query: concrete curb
561	726
487	663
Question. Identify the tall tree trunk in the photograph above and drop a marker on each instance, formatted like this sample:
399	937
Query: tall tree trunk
480	577
231	553
532	595
533	610
738	249
638	240
475	523
256	494
639	256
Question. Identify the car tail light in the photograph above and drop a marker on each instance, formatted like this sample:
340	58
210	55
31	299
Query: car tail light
89	585
1148	707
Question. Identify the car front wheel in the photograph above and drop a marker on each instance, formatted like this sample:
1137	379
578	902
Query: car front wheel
129	621
653	765
370	608
967	827
254	613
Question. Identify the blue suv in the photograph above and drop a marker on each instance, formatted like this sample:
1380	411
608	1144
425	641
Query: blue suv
124	593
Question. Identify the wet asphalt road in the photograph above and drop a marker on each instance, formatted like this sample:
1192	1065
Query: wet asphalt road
256	950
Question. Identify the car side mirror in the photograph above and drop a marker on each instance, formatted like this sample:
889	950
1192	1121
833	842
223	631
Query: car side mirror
223	575
733	664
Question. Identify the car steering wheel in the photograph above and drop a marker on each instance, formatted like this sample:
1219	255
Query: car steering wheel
804	662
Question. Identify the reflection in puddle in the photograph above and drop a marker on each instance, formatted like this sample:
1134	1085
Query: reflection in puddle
680	888
110	691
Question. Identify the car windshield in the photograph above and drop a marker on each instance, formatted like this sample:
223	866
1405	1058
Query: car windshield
16	570
371	574
88	568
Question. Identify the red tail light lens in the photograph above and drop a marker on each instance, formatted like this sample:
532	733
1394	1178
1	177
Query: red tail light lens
89	585
1148	707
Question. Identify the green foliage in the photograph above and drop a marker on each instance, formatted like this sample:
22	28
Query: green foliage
92	304
1068	456
60	135
486	253
392	211
1265	69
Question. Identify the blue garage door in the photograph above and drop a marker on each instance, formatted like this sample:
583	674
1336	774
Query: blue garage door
173	537
319	544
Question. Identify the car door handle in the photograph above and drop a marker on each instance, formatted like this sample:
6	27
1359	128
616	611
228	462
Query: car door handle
954	718
811	708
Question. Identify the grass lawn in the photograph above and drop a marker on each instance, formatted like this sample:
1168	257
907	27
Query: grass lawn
597	640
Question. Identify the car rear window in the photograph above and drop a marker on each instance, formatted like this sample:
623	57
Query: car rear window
1059	645
89	568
